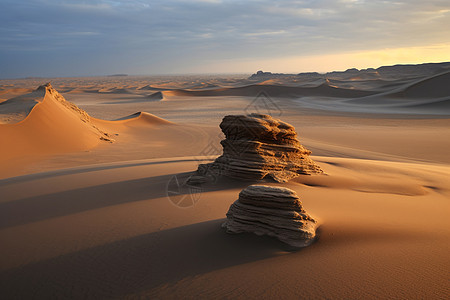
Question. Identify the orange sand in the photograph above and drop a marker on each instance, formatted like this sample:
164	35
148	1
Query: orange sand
83	217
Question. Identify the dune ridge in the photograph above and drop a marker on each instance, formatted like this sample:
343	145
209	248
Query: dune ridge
156	96
52	125
105	220
144	116
325	89
436	86
18	108
44	123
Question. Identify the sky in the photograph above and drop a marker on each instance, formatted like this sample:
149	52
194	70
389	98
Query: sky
54	38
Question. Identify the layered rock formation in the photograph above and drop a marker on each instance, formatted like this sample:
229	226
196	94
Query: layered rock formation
258	146
272	211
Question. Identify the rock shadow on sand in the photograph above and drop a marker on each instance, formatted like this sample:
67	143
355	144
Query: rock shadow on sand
138	264
52	205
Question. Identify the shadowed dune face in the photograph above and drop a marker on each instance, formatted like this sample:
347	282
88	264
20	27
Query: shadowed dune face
17	108
144	259
324	90
85	218
44	122
434	87
108	221
51	126
420	96
143	117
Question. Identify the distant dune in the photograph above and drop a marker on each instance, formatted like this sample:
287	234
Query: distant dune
84	217
429	95
43	122
144	117
150	88
8	93
279	91
51	125
16	109
156	96
433	87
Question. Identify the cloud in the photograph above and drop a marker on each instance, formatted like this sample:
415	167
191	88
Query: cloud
137	36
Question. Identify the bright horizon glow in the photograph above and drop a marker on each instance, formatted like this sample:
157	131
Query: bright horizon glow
53	38
340	61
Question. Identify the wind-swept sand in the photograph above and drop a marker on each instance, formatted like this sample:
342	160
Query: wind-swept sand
83	217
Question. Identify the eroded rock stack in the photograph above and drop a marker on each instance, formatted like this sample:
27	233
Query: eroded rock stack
258	146
272	211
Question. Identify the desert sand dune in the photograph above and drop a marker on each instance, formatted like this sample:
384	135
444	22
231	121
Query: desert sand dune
7	93
16	109
134	98
53	125
279	91
86	218
43	123
119	91
150	88
427	95
433	87
143	117
156	96
178	249
379	85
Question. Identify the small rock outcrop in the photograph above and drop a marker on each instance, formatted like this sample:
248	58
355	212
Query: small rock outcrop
258	146
272	211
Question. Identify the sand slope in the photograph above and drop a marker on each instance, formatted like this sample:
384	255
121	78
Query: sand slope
433	87
52	125
424	96
48	124
120	236
17	108
278	91
99	223
145	117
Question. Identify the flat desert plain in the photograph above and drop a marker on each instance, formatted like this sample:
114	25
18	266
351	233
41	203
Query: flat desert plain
93	205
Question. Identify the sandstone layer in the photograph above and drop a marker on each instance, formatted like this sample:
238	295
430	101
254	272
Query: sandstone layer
258	146
272	211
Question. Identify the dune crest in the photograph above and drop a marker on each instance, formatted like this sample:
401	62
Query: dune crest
431	87
84	116
53	125
44	123
144	117
122	220
17	108
156	96
281	91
